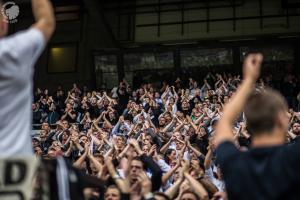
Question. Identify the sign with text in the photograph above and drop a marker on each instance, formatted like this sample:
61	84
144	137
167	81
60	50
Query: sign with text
17	177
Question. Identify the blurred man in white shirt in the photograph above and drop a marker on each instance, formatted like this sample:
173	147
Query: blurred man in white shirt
18	54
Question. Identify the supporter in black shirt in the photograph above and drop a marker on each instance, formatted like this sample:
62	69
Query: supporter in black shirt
185	108
37	115
93	108
122	95
261	172
52	116
269	170
70	114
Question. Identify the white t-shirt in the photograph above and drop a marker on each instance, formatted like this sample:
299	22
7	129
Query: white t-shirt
218	183
18	54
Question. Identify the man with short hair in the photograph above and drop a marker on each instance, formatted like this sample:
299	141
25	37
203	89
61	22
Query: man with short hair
296	128
18	54
269	170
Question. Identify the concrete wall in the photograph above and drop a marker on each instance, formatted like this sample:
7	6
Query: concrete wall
217	29
89	33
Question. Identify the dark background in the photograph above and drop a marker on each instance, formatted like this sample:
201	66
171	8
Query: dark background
162	39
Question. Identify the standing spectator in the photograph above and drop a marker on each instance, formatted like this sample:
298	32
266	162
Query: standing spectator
16	74
253	172
36	114
53	116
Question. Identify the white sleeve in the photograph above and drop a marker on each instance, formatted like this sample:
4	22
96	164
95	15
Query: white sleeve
24	48
186	156
163	165
29	43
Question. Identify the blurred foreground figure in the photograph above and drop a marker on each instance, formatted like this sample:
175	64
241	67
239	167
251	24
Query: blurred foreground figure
18	54
270	169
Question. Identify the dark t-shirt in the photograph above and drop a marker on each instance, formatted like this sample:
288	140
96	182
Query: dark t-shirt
94	111
261	173
69	119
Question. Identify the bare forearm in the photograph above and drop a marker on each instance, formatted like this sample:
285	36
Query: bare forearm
122	154
71	115
108	123
245	134
178	127
198	153
96	162
109	152
165	147
297	116
97	127
193	125
78	163
172	191
64	116
44	16
209	185
292	135
96	140
167	175
235	106
68	152
232	110
207	159
198	187
171	124
79	147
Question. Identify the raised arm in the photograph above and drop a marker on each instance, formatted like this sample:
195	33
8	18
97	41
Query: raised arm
189	119
251	67
67	99
69	151
97	164
208	157
44	17
108	122
173	190
197	186
197	121
169	173
177	128
79	161
73	116
123	184
297	115
196	151
165	147
169	126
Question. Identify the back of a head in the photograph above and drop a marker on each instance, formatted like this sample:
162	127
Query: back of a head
262	110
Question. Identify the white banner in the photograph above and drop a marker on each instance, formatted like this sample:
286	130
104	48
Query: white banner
17	177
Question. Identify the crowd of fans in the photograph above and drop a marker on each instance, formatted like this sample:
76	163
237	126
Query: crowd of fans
149	142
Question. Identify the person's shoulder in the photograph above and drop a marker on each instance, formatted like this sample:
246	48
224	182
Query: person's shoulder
225	146
227	152
33	33
30	43
293	147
